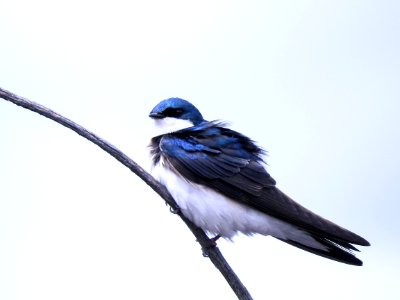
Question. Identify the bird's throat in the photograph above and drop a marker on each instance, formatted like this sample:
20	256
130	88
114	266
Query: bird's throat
168	125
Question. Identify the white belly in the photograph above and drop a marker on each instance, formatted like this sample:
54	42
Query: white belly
218	214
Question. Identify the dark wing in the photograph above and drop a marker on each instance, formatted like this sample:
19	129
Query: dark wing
227	161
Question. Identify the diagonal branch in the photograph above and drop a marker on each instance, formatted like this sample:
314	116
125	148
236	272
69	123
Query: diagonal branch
208	246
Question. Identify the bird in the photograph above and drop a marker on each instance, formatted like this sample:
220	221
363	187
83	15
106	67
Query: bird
219	179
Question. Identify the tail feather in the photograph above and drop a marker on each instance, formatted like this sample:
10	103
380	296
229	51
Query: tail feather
336	250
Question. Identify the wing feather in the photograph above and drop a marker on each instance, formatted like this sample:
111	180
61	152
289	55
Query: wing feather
231	163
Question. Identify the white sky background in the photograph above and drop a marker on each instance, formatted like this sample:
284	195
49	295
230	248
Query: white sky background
316	83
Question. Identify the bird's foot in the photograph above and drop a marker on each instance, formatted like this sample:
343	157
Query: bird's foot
215	239
174	210
212	244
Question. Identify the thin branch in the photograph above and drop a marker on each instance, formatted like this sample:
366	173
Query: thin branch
208	246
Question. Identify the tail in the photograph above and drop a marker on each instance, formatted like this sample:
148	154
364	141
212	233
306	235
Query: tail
336	250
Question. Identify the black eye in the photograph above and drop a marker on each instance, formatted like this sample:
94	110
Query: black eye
179	111
173	112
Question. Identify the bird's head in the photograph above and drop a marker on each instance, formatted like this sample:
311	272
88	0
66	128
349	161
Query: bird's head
174	114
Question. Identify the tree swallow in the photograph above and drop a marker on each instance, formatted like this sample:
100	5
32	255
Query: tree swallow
218	178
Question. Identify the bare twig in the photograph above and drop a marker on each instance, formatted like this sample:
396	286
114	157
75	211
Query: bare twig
208	246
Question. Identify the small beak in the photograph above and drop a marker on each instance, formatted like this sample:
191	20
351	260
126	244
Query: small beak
155	115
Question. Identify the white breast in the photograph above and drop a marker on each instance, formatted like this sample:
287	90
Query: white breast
218	214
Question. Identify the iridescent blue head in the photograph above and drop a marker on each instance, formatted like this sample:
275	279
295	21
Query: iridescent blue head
176	108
